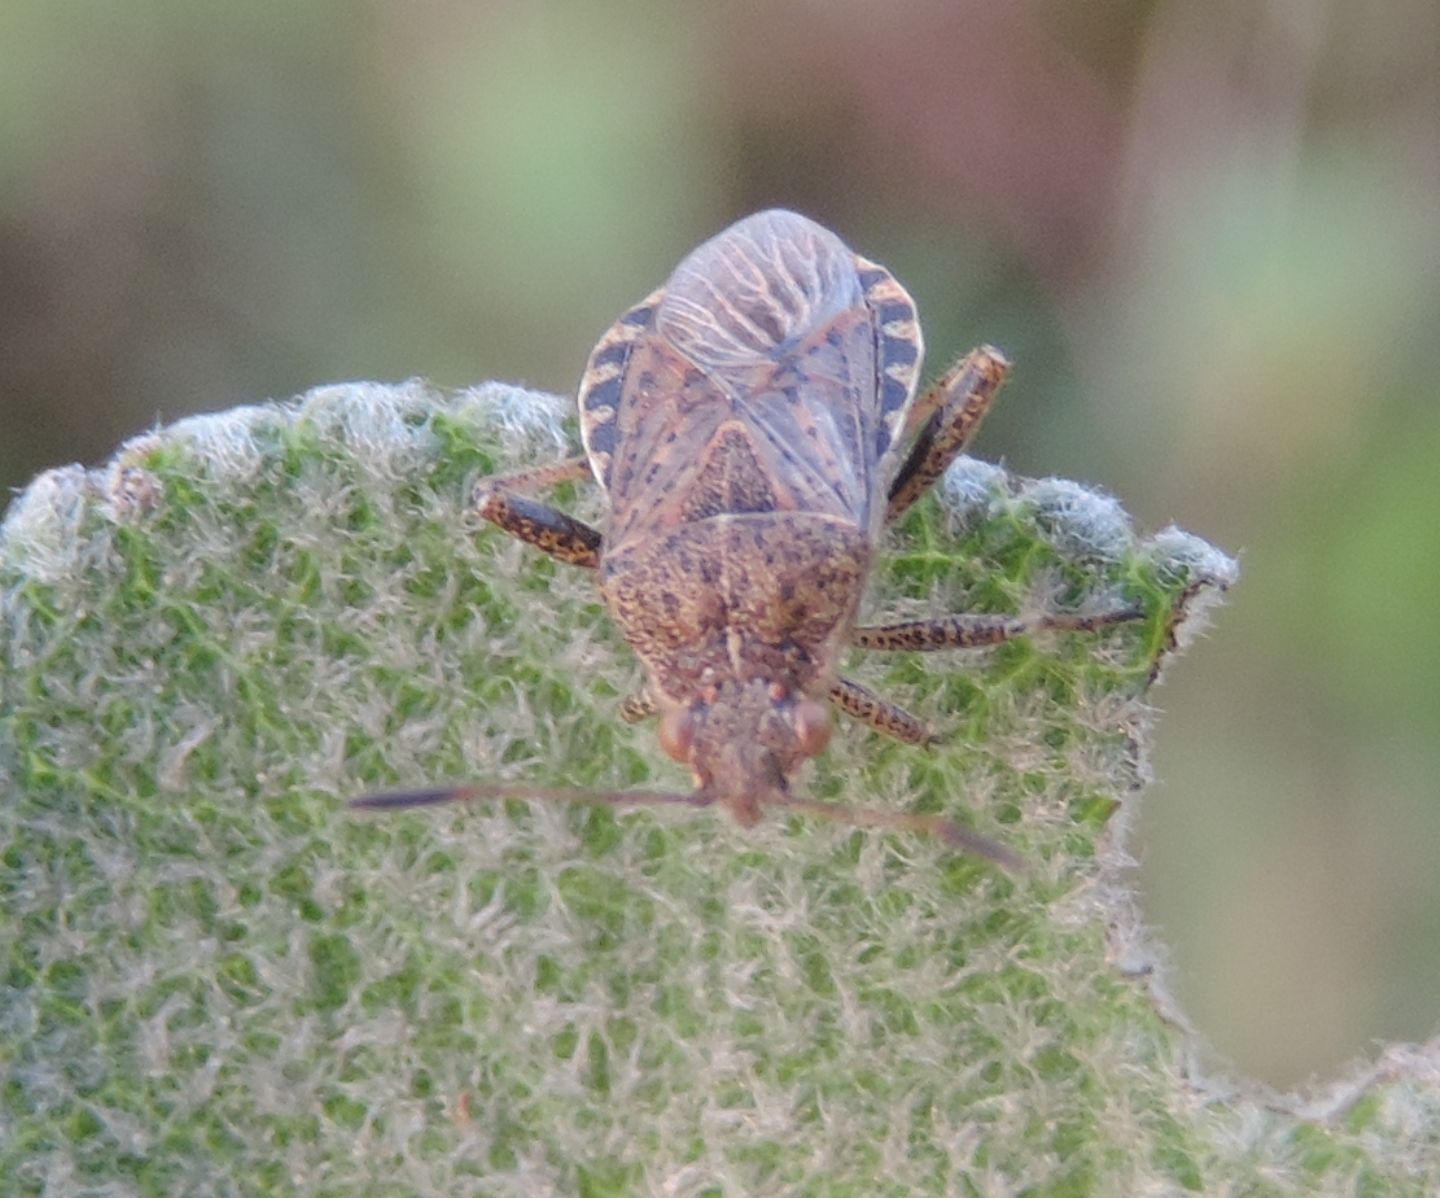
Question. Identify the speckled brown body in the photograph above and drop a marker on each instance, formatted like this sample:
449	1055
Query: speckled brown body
741	421
735	598
748	423
736	618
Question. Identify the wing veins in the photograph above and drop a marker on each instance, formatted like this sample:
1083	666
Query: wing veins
817	478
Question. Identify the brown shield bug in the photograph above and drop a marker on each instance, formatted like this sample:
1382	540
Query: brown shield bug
755	425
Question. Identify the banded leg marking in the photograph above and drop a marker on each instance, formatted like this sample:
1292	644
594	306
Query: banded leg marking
973	631
863	704
948	415
550	530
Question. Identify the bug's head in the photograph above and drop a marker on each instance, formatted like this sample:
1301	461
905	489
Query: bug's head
744	740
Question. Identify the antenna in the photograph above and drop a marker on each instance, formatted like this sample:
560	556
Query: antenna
860	817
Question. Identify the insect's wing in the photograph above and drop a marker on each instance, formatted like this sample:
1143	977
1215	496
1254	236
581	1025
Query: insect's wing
762	378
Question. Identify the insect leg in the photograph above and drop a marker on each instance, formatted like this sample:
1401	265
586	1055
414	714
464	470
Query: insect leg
971	631
863	704
533	478
550	530
951	410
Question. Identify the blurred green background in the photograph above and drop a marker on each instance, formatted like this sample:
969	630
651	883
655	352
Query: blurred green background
1208	232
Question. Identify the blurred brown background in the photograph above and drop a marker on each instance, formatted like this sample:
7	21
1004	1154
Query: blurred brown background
1208	232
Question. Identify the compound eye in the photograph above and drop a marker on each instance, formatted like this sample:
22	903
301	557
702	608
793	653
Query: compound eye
812	726
677	733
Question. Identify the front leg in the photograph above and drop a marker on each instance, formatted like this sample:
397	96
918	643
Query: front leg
951	411
550	530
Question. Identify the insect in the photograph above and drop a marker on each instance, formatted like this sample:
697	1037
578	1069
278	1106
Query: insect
754	425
